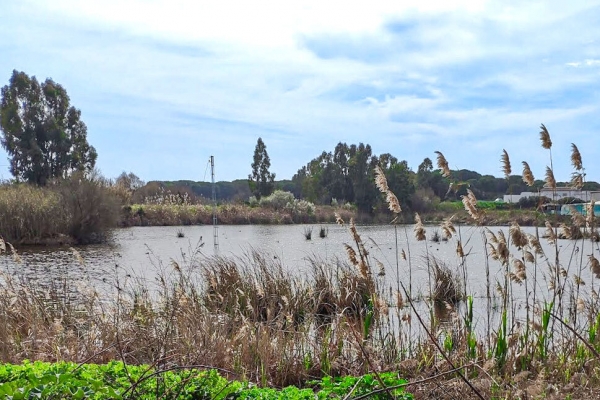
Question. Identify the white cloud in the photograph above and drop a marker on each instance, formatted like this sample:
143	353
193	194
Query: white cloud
204	74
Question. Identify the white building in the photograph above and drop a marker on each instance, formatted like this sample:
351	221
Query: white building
555	194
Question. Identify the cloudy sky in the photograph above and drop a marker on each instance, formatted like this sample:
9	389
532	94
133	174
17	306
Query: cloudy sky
163	85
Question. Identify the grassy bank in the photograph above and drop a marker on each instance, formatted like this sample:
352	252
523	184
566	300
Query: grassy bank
227	214
82	210
242	214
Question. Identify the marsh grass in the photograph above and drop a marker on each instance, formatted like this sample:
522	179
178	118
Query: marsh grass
81	209
227	214
253	316
308	232
447	284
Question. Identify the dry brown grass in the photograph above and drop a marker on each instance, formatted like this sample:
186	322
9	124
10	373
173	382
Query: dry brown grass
79	209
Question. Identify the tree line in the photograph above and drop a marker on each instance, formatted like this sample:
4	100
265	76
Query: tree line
46	140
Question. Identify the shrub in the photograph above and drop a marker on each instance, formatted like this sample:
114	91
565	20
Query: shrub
533	201
252	201
92	210
424	200
278	200
299	207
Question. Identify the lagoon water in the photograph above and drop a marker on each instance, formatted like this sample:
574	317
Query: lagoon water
143	251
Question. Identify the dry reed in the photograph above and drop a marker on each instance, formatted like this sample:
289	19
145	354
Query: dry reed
545	138
527	174
442	164
506	168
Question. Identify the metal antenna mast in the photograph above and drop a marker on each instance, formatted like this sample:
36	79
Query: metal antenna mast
214	199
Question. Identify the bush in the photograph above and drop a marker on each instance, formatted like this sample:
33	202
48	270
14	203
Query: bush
252	201
424	200
533	201
301	207
278	200
569	200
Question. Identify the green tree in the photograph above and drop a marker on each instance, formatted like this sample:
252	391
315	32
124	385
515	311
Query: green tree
261	180
43	135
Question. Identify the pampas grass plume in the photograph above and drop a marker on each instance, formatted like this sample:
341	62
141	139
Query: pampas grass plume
442	164
527	175
506	168
545	138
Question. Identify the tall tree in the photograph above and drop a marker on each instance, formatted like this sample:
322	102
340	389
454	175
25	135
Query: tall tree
261	180
43	135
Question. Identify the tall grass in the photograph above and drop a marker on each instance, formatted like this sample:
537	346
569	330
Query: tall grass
227	214
76	210
257	317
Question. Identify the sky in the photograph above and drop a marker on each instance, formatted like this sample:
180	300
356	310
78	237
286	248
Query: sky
163	85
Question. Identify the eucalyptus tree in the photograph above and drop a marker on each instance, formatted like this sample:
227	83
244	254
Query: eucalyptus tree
42	133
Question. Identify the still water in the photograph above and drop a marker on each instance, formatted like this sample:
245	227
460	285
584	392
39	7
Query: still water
143	251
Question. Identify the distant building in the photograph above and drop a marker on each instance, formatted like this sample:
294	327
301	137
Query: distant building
555	194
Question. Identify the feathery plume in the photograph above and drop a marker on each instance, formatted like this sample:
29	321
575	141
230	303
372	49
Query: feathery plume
443	164
577	218
448	228
565	231
470	203
545	137
576	157
527	174
491	236
517	236
577	180
380	180
15	254
351	254
505	164
578	281
338	219
535	244
459	249
550	234
399	300
594	265
529	257
550	181
393	203
390	197
520	273
419	229
580	305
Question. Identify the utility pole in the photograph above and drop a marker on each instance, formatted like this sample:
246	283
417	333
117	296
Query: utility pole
214	199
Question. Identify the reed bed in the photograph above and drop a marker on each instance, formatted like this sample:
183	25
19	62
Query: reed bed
227	214
255	317
81	209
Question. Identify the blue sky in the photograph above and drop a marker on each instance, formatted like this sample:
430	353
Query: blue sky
163	85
